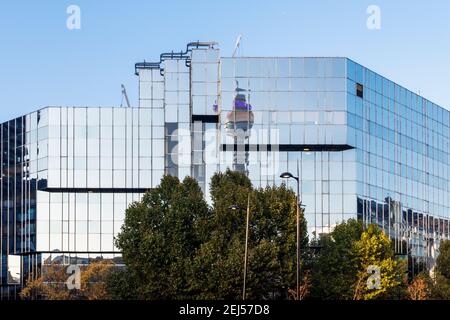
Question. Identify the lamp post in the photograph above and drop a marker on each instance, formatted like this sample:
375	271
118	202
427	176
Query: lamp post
288	175
236	207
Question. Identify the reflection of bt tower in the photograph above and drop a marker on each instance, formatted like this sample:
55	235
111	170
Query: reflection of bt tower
238	124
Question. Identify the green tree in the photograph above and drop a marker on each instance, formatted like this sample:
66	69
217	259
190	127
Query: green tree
440	287
348	253
443	259
218	267
334	269
122	285
440	280
159	239
176	247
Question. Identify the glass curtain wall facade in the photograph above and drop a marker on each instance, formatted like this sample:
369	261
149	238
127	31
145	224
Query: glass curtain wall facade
297	123
402	144
362	146
68	174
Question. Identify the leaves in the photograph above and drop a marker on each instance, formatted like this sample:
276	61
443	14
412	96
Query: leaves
176	247
334	270
440	285
443	259
374	250
341	270
160	237
419	289
52	284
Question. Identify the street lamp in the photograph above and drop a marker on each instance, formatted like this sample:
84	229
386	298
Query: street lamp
235	207
288	175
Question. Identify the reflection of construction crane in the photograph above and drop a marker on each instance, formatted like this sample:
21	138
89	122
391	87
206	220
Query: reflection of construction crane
125	95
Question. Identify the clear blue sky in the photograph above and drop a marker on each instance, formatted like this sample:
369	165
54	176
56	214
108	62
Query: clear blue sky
43	63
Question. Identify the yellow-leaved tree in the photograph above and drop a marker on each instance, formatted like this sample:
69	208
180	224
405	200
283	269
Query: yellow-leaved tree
52	284
378	269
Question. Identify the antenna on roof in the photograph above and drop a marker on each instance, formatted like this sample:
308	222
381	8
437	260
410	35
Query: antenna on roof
237	45
125	95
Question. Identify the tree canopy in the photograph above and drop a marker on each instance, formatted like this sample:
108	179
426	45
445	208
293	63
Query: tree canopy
350	258
176	246
440	280
160	237
52	284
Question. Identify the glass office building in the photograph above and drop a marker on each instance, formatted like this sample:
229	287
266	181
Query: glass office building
68	175
362	146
